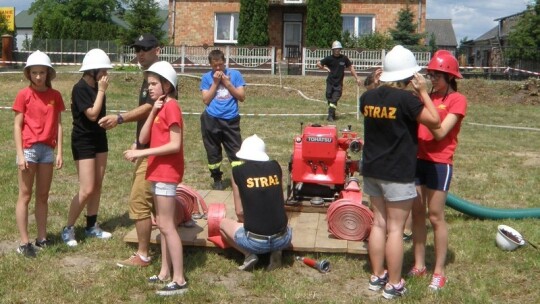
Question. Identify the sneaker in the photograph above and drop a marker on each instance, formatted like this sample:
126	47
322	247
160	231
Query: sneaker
249	262
407	236
390	291
437	281
97	232
415	272
218	185
68	236
275	260
155	279
27	250
377	283
42	244
172	289
134	260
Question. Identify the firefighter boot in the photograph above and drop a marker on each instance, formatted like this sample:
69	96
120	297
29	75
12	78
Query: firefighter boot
331	114
216	175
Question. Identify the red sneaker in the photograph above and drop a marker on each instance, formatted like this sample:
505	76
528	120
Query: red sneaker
415	272
437	281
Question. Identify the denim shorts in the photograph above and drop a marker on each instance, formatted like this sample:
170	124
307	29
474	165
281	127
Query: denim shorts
257	246
164	189
391	191
435	176
39	153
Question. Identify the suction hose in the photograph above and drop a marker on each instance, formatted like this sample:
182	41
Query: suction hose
481	212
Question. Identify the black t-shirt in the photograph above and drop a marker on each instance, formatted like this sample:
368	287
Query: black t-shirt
337	66
82	98
390	133
261	192
144	97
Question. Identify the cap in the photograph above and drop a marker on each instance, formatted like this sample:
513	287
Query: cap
145	40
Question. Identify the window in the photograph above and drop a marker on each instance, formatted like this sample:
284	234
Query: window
359	25
226	28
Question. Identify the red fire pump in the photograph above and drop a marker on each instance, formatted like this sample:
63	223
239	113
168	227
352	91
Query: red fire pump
320	165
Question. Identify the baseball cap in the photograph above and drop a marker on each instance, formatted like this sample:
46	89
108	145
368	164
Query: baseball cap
146	41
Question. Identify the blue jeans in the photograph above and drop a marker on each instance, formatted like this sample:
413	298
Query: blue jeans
257	246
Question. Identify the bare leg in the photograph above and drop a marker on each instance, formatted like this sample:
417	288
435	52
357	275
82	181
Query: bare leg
44	176
26	183
377	236
419	229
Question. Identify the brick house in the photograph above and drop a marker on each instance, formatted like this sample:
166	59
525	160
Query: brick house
214	22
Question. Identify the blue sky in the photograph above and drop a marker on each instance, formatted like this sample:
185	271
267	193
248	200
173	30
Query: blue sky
471	18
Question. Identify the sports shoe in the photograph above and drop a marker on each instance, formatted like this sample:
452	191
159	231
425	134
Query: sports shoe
275	260
68	236
134	260
249	262
172	289
390	291
415	272
407	236
377	283
27	250
155	279
42	244
437	281
97	232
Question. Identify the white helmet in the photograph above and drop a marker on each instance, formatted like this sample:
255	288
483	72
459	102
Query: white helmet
95	59
508	238
253	148
399	64
39	58
336	45
165	70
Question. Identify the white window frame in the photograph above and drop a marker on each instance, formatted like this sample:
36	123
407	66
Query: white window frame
356	25
232	28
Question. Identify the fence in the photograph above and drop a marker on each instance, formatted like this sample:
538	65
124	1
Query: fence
195	58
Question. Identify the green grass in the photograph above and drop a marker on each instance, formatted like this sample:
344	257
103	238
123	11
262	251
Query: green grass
494	167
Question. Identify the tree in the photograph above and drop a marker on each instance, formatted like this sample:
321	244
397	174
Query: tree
405	31
74	19
4	25
253	23
524	39
374	41
142	16
323	22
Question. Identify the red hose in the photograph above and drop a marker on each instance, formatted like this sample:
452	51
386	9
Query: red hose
216	213
189	202
349	220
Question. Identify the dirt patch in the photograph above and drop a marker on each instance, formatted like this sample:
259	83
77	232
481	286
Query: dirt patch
7	247
531	159
79	263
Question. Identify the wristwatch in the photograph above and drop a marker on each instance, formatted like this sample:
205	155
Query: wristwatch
119	119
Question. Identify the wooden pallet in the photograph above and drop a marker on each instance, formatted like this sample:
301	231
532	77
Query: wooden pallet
310	229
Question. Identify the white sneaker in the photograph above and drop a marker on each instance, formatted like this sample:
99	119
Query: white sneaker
97	232
68	236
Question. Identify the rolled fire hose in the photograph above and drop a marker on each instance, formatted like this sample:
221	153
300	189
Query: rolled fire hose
216	212
191	200
349	220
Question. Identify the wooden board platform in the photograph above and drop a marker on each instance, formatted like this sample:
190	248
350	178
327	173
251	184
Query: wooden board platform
310	230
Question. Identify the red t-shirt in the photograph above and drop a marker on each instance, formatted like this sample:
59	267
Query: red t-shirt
442	151
41	111
166	168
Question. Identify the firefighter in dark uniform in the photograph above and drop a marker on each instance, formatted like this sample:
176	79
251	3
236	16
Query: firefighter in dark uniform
336	64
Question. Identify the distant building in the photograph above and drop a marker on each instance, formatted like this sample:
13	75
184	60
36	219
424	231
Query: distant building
486	50
443	32
23	26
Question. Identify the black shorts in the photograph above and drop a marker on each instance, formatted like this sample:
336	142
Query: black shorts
85	147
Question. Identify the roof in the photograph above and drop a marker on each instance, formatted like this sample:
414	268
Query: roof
510	16
443	31
24	20
492	33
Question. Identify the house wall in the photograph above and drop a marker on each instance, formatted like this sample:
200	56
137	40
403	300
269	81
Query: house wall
194	21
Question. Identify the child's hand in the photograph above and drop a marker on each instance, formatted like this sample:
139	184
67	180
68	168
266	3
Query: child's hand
131	155
103	83
419	82
158	104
